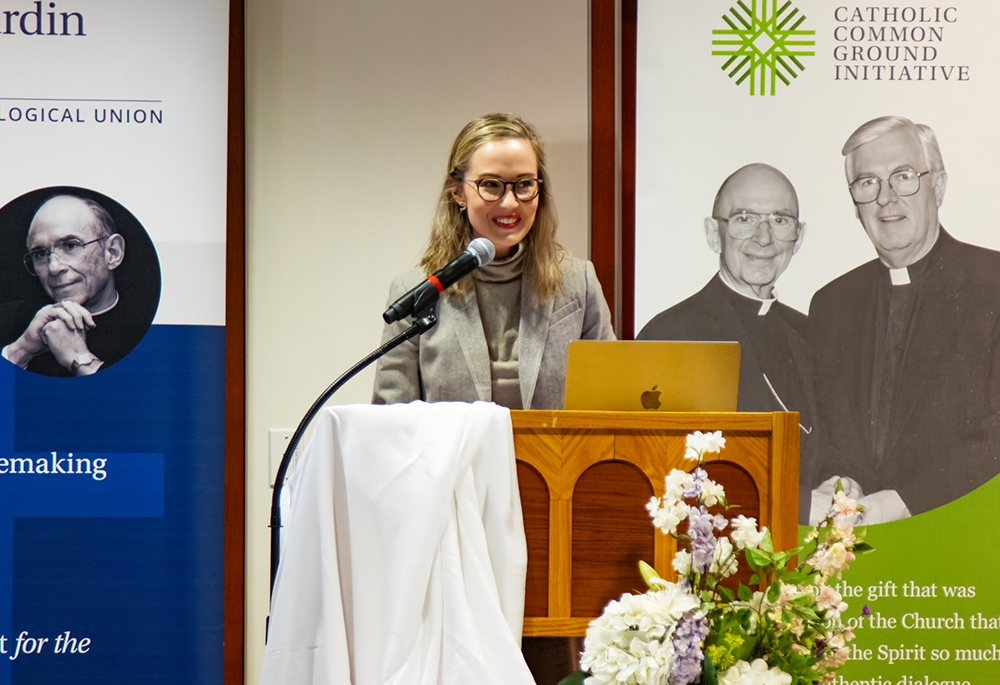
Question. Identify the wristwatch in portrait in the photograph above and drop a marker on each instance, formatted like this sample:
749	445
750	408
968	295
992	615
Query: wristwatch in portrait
84	359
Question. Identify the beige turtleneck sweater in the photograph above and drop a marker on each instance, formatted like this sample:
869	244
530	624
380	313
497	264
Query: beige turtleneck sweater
498	290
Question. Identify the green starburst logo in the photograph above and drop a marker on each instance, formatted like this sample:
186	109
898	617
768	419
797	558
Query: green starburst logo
763	44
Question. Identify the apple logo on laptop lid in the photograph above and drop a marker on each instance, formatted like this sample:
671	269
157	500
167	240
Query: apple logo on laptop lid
650	398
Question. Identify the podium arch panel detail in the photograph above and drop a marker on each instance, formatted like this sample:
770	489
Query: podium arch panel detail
611	531
758	466
535	511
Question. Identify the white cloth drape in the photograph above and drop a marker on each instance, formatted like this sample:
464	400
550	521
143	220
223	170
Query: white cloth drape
403	553
879	507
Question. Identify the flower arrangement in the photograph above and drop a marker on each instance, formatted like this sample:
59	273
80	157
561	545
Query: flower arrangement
788	632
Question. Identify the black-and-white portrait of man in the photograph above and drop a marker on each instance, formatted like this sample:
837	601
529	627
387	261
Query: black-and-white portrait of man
755	229
908	344
79	317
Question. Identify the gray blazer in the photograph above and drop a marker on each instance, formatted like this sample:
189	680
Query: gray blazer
451	363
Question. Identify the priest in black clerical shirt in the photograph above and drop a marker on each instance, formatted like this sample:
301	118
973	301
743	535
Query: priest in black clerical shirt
755	229
908	345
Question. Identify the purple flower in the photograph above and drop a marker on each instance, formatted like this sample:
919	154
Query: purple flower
865	611
692	630
698	477
700	524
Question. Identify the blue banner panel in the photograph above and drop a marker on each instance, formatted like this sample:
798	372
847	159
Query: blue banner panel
111	519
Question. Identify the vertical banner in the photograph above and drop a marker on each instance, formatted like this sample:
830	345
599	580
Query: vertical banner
113	115
883	238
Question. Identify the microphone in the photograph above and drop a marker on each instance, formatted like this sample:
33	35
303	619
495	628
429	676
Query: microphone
480	252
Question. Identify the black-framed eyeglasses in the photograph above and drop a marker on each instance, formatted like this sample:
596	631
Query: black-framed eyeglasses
69	251
904	183
743	225
493	189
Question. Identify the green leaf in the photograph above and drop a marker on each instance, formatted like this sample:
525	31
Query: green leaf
757	556
773	593
743	652
708	674
765	543
727	594
744	617
574	678
808	614
744	592
755	579
863	547
781	559
795	577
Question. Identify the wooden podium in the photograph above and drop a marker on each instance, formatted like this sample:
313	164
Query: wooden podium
585	478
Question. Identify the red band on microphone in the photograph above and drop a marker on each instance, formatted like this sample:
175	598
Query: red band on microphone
437	284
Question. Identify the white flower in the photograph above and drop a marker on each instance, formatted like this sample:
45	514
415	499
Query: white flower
682	562
711	492
652	505
725	563
698	444
756	673
671	510
676	483
629	644
666	518
745	533
666	606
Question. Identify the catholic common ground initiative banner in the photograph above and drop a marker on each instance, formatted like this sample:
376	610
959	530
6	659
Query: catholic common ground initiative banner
725	83
112	240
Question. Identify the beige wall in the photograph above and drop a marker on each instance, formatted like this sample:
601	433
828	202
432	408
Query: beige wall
351	110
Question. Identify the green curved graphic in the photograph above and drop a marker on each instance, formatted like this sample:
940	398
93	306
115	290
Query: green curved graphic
763	44
932	597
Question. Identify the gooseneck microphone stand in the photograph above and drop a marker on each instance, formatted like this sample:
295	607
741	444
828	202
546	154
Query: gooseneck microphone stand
423	322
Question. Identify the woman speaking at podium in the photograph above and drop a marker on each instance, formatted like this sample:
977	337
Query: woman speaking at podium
502	332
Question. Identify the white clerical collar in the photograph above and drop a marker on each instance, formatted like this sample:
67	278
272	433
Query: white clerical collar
899	276
107	309
765	305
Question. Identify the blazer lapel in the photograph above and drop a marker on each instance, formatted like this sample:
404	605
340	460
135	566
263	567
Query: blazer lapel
534	330
468	327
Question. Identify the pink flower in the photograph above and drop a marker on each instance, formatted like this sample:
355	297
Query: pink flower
830	600
844	505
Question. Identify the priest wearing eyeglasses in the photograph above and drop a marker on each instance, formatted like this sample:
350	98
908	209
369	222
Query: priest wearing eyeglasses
80	328
908	379
755	229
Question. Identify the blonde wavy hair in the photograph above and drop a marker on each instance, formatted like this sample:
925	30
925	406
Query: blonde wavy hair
452	232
